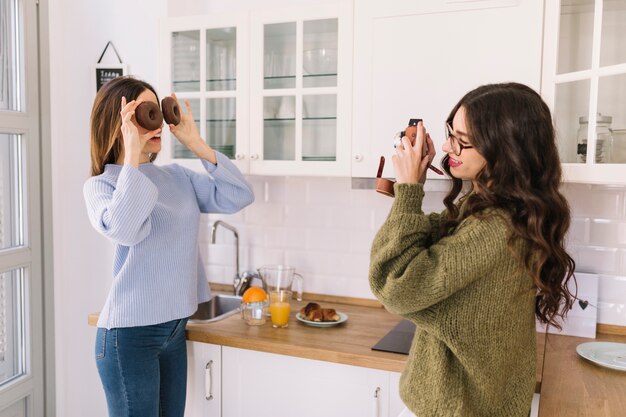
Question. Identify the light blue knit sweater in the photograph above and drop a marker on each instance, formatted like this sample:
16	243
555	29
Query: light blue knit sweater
152	215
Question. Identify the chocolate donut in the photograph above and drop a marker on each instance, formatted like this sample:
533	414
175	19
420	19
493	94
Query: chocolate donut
148	115
171	111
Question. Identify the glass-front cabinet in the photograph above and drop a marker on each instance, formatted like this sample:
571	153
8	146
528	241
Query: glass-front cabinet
300	92
204	61
584	81
270	90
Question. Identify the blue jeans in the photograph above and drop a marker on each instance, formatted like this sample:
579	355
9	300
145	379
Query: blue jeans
144	369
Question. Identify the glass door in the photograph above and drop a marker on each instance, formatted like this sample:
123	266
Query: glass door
204	61
585	81
299	63
298	91
21	274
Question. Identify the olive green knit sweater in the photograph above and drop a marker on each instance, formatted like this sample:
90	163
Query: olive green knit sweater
474	349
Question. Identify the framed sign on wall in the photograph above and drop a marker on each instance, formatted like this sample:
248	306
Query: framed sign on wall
106	72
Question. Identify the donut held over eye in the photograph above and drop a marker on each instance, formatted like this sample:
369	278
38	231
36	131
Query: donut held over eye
148	115
171	111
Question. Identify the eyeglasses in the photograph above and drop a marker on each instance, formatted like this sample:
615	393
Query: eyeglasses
455	142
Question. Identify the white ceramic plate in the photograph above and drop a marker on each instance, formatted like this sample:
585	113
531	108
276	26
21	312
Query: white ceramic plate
342	317
608	354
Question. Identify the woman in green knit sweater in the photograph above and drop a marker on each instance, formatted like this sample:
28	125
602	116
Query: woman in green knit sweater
474	277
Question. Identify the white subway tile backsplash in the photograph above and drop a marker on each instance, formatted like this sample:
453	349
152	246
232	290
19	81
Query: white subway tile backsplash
586	201
266	214
335	240
612	300
324	228
578	233
596	259
607	232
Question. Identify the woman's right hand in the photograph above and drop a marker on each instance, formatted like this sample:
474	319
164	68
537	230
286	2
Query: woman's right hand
410	161
134	141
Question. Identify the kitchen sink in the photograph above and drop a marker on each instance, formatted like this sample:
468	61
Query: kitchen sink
217	308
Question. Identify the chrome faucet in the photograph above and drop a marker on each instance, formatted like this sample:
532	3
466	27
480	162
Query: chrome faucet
232	229
241	282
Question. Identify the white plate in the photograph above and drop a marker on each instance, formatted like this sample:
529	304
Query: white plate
342	317
608	354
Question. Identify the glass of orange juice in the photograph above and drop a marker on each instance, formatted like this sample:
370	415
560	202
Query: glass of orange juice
280	307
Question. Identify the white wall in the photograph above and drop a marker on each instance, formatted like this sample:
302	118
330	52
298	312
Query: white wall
79	30
320	225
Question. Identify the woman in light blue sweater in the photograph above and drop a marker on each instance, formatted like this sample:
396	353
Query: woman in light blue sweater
152	214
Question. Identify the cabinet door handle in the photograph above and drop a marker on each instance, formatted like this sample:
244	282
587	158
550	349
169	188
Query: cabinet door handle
240	156
254	156
208	381
376	405
358	157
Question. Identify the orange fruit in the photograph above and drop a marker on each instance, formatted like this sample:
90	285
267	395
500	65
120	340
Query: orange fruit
254	295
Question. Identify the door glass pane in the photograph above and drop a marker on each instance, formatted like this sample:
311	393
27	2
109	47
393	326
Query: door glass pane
279	66
221	54
221	124
319	56
186	61
10	62
613	49
279	129
571	103
11	325
319	128
178	149
612	106
575	35
11	203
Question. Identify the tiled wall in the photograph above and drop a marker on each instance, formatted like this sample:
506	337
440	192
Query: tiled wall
324	228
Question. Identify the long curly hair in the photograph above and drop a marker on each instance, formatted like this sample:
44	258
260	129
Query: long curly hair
511	127
106	121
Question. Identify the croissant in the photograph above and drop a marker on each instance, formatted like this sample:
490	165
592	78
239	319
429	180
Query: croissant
306	310
329	314
314	312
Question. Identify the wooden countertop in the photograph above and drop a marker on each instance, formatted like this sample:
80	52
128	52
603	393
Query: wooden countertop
575	387
348	343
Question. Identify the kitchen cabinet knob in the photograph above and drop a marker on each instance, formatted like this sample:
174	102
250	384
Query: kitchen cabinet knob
208	381
358	157
240	156
254	156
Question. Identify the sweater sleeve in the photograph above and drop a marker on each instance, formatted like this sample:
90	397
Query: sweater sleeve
409	274
223	190
121	211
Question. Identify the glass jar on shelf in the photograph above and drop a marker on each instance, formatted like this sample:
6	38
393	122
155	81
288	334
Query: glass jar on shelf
604	141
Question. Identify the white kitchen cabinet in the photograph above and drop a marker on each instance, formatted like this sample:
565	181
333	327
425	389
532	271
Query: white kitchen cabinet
204	387
417	59
584	80
269	385
270	89
204	59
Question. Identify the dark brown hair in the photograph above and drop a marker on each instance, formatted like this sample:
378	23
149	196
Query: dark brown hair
511	127
106	121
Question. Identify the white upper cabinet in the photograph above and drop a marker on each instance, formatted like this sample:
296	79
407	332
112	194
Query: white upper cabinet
270	89
301	67
417	59
584	82
204	59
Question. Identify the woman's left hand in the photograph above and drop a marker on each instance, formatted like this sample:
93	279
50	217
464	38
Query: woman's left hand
187	133
410	161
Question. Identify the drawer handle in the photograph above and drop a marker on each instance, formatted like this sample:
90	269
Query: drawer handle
208	381
376	405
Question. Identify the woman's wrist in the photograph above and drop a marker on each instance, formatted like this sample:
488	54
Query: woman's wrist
202	150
